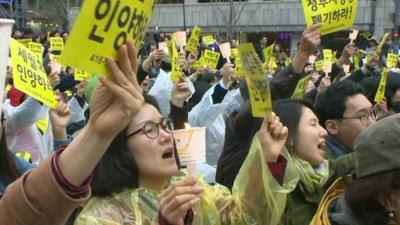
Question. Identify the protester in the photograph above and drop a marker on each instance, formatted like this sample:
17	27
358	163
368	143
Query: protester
49	193
372	196
144	187
241	125
307	146
345	112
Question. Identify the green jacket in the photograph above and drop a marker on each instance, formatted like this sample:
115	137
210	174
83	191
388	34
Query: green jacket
301	207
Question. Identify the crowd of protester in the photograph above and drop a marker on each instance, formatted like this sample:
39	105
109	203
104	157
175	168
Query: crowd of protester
107	155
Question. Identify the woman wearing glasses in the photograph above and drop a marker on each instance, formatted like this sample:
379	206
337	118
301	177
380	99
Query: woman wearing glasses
138	180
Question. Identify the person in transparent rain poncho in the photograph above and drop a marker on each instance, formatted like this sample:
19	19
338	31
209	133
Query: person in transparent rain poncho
138	180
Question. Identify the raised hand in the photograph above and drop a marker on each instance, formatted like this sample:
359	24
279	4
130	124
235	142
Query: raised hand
310	40
180	92
115	101
176	200
228	74
59	120
80	88
272	136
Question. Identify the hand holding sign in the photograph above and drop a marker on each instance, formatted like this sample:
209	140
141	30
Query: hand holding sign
115	101
180	93
272	136
59	120
228	74
178	198
310	40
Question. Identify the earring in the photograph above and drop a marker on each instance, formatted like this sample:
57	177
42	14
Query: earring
391	214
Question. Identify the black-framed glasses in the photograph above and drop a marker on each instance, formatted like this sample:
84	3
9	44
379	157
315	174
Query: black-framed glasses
152	129
364	118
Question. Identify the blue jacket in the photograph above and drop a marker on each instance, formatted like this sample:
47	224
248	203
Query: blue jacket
22	166
337	149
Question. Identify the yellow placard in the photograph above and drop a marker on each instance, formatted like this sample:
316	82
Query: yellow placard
101	28
334	15
257	82
80	74
56	44
29	75
208	40
43	124
210	58
391	60
383	41
328	55
174	59
238	68
301	87
355	59
36	47
234	53
319	65
193	41
37	50
25	41
380	93
24	155
267	54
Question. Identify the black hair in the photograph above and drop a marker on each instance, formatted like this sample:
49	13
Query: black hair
117	169
363	196
237	142
290	112
371	85
8	169
331	104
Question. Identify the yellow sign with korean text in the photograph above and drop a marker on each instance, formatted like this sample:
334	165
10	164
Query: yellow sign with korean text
80	74
328	55
234	53
101	28
56	44
174	59
193	41
380	93
301	88
238	68
208	40
257	82
29	75
25	41
392	60
37	49
210	58
267	54
334	15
